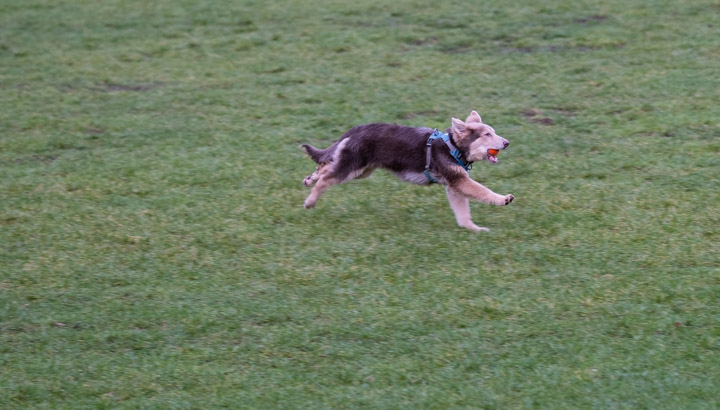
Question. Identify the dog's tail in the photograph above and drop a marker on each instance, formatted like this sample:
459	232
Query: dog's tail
320	156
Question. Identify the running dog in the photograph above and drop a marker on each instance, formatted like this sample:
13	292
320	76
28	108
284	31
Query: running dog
416	155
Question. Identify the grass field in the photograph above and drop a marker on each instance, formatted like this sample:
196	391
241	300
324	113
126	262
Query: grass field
154	251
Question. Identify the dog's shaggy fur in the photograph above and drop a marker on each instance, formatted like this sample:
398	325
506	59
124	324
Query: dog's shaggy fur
402	151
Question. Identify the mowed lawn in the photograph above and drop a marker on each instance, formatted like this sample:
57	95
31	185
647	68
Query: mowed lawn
154	251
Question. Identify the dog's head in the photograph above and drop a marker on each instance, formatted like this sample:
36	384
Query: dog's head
478	140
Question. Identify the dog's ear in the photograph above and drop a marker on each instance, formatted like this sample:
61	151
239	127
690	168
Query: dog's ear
458	127
474	117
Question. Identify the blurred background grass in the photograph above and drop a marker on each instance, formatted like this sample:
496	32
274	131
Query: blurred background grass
154	251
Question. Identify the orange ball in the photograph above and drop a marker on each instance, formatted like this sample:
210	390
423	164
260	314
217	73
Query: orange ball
493	152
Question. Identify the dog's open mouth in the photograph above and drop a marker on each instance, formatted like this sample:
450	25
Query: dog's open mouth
492	155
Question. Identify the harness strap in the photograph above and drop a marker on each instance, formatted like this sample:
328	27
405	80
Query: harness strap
453	151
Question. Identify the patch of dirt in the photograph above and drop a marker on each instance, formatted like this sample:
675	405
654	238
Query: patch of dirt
44	159
589	19
127	87
8	221
545	49
108	87
91	130
69	87
424	41
455	49
535	115
543	120
275	70
531	112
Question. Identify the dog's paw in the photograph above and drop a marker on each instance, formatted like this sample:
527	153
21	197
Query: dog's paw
471	226
509	198
311	179
309	204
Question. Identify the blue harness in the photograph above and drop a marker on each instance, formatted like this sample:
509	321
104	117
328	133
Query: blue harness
453	151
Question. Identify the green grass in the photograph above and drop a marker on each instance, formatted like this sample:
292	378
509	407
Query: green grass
154	251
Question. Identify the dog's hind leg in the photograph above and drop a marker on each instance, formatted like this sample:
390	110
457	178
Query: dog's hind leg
461	207
311	179
342	168
324	182
328	176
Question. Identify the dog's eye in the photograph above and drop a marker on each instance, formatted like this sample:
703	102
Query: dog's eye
487	134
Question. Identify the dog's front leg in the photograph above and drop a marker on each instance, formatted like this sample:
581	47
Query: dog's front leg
461	207
478	192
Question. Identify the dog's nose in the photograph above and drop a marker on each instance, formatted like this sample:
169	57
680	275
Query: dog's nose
505	144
